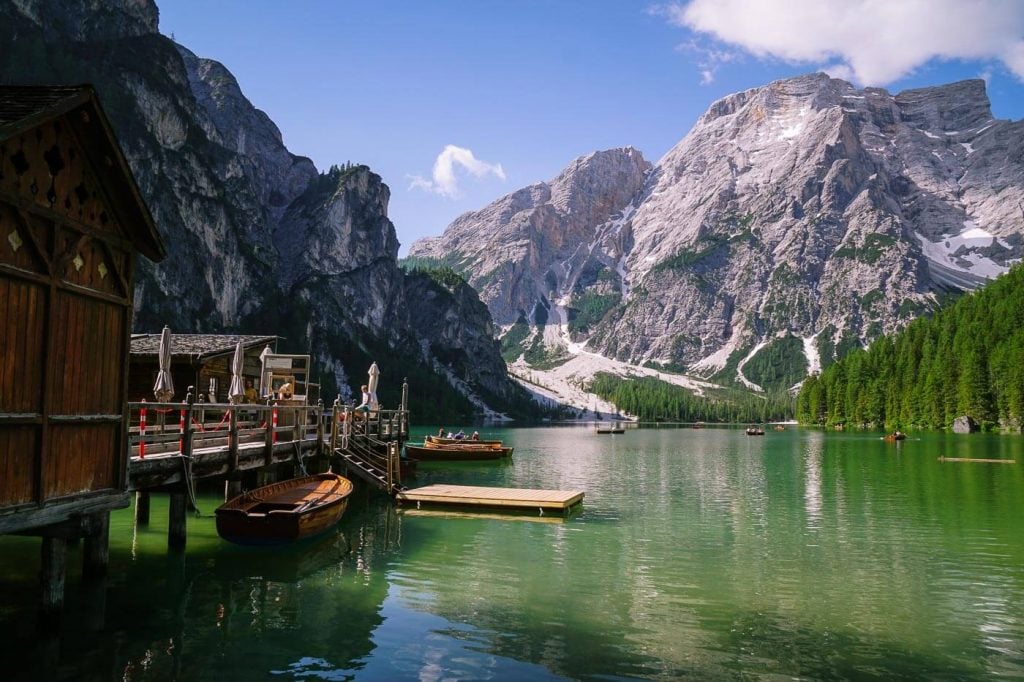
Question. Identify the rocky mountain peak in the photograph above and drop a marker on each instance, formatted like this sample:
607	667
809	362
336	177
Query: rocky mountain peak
794	221
517	250
948	108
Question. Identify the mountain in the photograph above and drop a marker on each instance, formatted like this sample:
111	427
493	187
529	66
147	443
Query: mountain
963	361
258	239
794	222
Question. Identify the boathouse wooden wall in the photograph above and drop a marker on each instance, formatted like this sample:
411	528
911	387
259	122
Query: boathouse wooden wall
66	282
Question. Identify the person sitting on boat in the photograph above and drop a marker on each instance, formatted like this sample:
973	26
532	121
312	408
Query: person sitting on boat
476	435
460	434
450	435
440	432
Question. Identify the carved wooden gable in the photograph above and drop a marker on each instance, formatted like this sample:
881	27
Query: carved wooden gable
46	169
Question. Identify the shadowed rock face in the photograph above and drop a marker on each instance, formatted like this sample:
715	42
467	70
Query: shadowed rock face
805	207
258	239
515	248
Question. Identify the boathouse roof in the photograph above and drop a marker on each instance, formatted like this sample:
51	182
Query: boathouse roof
196	347
23	107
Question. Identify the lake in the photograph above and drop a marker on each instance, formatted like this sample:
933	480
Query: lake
705	554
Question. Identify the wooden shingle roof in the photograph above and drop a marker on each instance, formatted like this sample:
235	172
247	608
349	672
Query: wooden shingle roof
197	346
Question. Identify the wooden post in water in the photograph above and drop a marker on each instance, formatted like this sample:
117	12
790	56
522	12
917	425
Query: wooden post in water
141	508
403	418
187	446
52	570
335	411
97	548
233	438
232	488
319	427
177	515
271	423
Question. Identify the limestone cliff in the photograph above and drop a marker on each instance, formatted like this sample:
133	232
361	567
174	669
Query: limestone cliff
259	240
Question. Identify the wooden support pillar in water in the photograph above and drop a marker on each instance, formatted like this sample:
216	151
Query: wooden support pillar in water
232	489
177	514
97	548
54	563
141	508
266	476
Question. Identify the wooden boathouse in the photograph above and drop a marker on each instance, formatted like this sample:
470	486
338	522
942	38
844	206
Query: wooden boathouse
71	223
199	360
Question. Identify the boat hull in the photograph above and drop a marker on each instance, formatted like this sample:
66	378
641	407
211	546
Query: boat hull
286	512
434	453
460	441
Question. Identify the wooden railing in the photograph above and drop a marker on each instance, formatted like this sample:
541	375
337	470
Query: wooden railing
371	441
368	441
183	428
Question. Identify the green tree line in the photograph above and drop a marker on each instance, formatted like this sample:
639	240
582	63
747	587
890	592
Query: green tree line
652	399
967	359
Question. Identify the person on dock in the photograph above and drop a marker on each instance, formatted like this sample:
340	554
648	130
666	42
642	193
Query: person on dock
250	392
364	406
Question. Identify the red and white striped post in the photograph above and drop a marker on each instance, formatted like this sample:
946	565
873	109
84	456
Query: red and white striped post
142	430
273	424
181	430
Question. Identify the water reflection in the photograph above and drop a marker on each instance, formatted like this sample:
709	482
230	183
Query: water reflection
697	553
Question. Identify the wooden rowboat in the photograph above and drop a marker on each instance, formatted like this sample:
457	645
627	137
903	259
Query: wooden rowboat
459	441
284	512
755	431
437	452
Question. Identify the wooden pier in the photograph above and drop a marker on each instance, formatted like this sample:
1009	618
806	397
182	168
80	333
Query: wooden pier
522	499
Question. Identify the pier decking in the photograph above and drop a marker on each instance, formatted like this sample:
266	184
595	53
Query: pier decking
507	498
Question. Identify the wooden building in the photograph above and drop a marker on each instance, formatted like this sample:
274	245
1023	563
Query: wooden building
199	360
71	223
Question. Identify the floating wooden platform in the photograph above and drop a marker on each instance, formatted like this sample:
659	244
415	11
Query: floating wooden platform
476	515
971	459
505	498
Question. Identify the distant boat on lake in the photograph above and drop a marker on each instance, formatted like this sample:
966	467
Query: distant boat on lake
755	431
611	429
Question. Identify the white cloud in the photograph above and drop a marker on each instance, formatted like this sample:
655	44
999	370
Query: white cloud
874	41
444	181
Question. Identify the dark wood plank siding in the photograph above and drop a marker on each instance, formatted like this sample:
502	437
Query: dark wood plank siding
65	311
18	447
81	459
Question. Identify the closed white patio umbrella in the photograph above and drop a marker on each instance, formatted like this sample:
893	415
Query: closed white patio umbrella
163	389
236	393
371	386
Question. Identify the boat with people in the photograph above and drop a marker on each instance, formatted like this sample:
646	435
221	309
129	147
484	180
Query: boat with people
894	437
460	441
281	513
462	451
755	431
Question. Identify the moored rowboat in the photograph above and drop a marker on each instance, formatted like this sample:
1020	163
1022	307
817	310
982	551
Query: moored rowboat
436	452
459	441
284	512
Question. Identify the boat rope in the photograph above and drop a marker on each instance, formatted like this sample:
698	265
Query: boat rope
189	484
298	458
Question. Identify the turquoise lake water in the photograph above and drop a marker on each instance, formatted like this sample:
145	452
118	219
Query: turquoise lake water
701	554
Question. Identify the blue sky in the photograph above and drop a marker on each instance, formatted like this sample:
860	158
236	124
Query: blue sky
526	86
